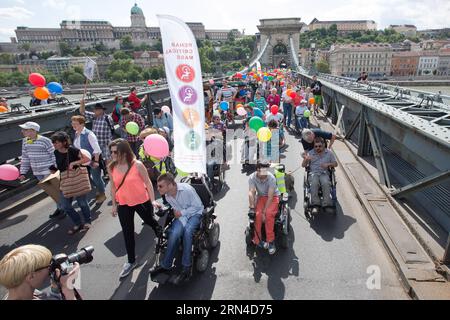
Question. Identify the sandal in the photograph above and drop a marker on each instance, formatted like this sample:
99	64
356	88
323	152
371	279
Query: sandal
74	230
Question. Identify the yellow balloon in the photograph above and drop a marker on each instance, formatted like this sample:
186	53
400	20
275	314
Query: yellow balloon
264	134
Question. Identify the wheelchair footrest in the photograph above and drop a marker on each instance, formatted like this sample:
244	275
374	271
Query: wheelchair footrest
161	278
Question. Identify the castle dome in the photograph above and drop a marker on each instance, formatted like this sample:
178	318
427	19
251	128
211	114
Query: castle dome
136	10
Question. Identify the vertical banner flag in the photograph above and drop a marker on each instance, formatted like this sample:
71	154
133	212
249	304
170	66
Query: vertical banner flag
184	77
258	69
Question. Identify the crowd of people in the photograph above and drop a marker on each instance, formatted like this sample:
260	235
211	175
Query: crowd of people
91	157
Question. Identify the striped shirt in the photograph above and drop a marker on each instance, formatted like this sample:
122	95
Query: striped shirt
226	94
260	103
37	155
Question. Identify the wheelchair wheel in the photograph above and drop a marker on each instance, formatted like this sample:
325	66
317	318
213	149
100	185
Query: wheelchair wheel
202	261
284	240
213	236
248	237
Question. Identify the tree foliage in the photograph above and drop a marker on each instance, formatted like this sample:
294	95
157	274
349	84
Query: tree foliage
324	38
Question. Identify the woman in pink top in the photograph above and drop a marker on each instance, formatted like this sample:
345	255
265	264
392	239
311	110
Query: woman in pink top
131	191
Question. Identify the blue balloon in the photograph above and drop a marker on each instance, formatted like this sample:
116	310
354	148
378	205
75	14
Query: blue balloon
258	113
55	87
242	92
266	78
244	76
224	105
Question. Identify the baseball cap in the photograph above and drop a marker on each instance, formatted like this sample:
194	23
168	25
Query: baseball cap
30	125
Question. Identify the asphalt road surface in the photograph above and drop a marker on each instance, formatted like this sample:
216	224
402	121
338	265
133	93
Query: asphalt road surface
328	258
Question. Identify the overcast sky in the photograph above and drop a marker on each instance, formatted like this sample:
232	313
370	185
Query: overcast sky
222	14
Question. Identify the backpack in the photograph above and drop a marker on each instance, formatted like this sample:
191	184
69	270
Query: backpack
115	115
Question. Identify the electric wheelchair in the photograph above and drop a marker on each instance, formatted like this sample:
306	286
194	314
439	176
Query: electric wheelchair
307	204
282	221
205	238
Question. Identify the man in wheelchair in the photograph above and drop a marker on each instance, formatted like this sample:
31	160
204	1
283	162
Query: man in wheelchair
264	198
318	162
188	209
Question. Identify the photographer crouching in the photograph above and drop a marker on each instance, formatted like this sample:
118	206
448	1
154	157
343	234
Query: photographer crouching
29	267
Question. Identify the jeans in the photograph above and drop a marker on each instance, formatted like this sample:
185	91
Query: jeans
317	180
248	152
177	232
126	218
302	123
96	176
287	113
66	204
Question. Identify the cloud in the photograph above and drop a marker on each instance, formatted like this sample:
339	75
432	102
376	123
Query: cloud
20	1
55	4
6	32
16	13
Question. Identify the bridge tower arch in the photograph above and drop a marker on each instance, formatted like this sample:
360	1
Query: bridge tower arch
279	32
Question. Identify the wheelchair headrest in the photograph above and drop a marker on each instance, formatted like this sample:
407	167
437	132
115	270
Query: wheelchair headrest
202	190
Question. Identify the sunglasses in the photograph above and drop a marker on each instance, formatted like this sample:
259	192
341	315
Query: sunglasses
114	152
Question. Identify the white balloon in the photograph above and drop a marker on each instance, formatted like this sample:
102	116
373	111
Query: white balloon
165	109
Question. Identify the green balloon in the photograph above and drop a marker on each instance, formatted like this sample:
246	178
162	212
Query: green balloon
132	128
270	78
307	113
252	104
256	123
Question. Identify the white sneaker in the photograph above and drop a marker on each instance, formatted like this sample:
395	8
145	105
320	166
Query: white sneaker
126	269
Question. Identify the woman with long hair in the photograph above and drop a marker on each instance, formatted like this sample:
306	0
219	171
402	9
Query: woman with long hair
131	191
68	158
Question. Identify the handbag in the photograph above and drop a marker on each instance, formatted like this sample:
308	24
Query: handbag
74	183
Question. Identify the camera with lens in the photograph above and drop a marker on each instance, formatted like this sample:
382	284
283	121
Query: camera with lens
65	263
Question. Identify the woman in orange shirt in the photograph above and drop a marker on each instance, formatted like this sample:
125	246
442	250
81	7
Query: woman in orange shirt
131	191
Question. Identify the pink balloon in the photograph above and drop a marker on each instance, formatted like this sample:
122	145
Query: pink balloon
241	111
156	146
9	172
165	109
211	81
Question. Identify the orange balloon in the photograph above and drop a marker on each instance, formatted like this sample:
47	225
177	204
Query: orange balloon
239	106
3	109
312	100
41	93
288	92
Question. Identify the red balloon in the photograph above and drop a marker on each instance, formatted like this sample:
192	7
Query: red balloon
238	75
274	109
297	100
37	79
293	94
150	82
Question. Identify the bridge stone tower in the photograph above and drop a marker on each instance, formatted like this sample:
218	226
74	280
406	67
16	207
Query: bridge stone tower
279	49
